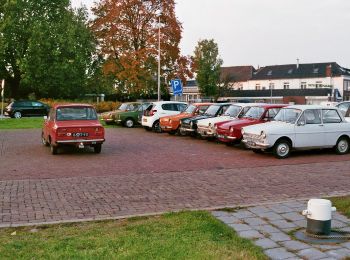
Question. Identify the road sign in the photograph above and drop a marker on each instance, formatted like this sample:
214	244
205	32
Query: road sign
176	85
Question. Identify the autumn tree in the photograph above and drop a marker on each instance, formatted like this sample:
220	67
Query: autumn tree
207	66
45	48
127	33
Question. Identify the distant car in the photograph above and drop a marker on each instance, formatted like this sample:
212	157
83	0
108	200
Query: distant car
300	127
171	124
129	118
230	132
189	125
22	108
344	108
74	125
109	117
152	114
206	127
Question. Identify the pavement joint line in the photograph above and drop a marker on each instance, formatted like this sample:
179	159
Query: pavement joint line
215	208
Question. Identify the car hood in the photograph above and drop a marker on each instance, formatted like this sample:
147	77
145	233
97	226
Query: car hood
274	127
78	123
177	117
237	123
213	120
195	118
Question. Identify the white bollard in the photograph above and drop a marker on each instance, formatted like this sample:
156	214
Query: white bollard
319	216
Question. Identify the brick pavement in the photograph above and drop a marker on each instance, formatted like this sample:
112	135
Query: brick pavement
86	198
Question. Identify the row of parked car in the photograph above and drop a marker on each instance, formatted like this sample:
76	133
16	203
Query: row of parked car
276	128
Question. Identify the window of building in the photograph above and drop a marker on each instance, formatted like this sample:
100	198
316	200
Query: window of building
269	73
318	84
315	70
303	85
272	86
286	85
290	71
257	86
347	85
263	88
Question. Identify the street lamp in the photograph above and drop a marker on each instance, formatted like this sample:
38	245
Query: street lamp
159	54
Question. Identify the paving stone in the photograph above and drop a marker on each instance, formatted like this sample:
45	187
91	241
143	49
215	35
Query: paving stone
218	214
279	253
339	253
347	229
280	208
270	215
340	217
254	221
327	247
338	224
259	209
282	224
250	234
267	229
242	214
266	243
240	227
293	245
293	216
312	253
229	219
300	223
279	237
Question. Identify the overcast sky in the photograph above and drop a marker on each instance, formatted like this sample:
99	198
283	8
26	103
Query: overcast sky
267	32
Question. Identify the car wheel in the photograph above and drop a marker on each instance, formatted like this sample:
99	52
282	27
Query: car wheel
147	128
282	149
98	148
342	146
17	114
129	123
172	132
54	149
43	141
156	127
108	123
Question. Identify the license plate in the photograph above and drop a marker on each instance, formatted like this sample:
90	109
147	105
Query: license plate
80	134
250	143
221	136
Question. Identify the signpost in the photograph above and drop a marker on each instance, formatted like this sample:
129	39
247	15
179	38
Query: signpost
2	98
176	85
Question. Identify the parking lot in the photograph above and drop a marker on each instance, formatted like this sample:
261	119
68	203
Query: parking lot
141	172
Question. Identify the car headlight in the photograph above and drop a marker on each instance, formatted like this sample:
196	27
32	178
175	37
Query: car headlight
262	135
243	132
231	129
169	121
216	127
191	124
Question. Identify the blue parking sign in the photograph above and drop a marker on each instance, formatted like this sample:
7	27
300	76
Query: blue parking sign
176	85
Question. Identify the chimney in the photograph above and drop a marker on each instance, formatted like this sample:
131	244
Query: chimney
329	70
297	63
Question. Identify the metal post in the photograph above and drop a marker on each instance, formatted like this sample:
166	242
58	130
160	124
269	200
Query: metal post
159	58
2	98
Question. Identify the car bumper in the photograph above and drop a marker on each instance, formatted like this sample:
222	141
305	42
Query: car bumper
79	141
206	132
255	144
147	122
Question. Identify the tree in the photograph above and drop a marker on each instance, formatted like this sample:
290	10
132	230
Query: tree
45	48
127	33
207	65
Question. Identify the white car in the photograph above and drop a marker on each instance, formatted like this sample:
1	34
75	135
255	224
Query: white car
344	108
206	127
152	114
300	127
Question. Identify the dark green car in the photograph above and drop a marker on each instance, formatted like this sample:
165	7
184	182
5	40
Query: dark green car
129	118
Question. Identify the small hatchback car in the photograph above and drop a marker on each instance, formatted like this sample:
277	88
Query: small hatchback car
21	108
74	125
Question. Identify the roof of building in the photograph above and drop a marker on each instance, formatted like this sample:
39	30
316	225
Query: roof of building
236	73
310	70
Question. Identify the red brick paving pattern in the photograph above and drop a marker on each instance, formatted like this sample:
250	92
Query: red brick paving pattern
134	175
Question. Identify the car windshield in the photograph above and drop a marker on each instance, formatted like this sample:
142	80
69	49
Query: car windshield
288	115
233	111
75	113
212	110
190	109
123	107
254	112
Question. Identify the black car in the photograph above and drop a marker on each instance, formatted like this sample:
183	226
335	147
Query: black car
189	125
20	108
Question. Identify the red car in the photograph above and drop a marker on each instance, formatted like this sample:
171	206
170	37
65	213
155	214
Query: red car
74	125
230	131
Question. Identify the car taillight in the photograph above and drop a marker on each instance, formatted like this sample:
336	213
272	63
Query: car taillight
152	112
99	131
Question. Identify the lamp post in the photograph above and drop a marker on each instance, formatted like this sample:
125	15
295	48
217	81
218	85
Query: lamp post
159	55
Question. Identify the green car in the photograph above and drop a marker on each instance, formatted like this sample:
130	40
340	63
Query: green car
129	118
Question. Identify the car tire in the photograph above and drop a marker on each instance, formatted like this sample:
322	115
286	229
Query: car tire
156	127
109	123
173	132
147	128
129	123
17	114
342	146
282	149
97	148
43	141
54	149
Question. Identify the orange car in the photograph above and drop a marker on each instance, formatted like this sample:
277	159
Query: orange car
171	124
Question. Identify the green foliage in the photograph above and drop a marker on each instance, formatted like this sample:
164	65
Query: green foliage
45	48
342	204
22	123
188	235
207	65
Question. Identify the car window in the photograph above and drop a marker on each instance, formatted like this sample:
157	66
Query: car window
23	104
345	109
272	112
330	116
202	109
181	107
169	107
37	104
312	116
75	113
255	112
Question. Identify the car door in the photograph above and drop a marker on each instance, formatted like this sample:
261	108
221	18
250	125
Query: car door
333	126
309	131
169	109
26	108
38	109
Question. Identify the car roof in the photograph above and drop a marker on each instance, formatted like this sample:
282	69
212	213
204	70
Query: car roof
72	105
202	104
167	102
265	105
304	107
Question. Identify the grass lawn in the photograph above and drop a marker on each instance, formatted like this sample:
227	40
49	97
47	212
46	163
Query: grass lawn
186	235
342	204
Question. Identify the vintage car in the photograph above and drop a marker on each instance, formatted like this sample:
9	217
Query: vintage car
109	117
300	127
189	125
206	127
230	132
73	125
129	118
171	124
344	108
